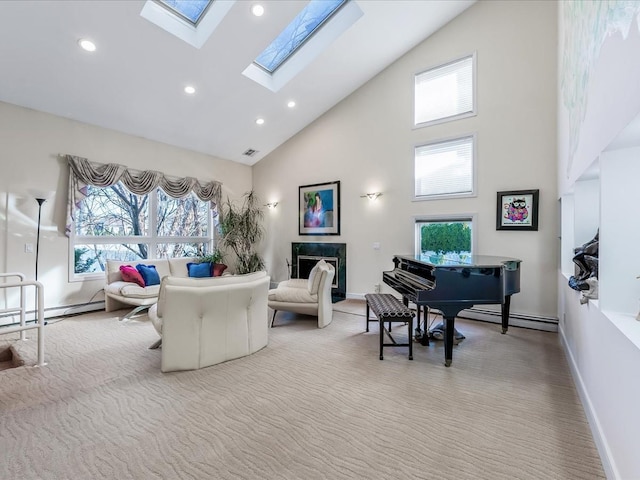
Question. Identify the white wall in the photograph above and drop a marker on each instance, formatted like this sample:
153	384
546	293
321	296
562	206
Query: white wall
367	143
30	142
598	82
598	96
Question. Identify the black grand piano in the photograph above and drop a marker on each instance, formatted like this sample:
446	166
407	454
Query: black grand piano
451	285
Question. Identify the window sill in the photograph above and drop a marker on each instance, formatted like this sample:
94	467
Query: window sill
626	323
86	278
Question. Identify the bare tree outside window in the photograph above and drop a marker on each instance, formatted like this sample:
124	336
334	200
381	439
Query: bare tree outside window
184	217
113	223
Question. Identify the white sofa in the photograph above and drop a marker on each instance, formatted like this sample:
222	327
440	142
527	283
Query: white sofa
310	296
205	321
120	294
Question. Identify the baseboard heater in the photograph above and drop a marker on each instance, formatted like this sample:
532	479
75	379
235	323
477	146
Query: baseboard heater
534	322
548	324
54	312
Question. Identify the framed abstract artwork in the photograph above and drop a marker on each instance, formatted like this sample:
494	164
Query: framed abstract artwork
319	209
517	210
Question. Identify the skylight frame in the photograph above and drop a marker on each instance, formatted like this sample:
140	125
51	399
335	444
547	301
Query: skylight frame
166	19
342	21
300	44
181	15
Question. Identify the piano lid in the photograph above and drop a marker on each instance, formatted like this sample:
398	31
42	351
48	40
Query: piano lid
479	261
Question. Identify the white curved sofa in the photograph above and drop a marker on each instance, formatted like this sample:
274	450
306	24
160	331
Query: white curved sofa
205	321
120	294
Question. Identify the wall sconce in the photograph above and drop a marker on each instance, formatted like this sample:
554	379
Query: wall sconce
272	205
371	196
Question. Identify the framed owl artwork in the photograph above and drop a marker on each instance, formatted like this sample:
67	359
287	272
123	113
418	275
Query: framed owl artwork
518	210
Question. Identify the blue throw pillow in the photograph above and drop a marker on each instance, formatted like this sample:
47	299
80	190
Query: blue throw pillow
199	270
149	274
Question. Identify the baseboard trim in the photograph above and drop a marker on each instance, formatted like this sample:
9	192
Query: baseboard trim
534	322
596	430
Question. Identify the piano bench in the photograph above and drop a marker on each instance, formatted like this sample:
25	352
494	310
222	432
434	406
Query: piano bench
389	309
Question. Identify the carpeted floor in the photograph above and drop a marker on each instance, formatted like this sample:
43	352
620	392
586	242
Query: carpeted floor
314	404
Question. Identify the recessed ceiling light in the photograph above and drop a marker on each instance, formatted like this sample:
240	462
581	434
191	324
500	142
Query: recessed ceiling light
87	45
189	90
257	10
291	104
259	121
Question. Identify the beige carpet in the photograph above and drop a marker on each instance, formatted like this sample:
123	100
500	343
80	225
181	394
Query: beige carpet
314	404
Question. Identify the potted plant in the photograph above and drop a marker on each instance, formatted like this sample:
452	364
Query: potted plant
214	257
241	230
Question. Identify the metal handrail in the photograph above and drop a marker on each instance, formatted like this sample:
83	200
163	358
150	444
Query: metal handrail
23	327
20	309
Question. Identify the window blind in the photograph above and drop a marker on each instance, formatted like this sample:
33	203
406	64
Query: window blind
444	168
444	92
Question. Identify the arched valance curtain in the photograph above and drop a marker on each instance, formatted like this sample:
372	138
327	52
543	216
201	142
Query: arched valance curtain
83	173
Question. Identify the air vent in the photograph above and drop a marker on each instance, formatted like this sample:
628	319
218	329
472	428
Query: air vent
250	152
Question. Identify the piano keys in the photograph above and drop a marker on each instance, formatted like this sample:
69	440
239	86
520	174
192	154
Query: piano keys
452	285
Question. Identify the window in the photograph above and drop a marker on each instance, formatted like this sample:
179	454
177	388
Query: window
315	28
445	168
297	32
193	21
115	224
445	92
437	237
189	10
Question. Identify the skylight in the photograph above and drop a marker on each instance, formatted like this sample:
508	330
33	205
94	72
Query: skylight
190	20
310	34
308	21
189	10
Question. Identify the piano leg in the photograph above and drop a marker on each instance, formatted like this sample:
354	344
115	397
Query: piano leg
421	335
505	313
424	339
449	328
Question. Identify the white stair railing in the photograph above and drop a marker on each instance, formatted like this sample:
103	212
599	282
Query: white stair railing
21	310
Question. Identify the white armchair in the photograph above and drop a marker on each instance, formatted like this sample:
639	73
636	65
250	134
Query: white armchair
310	296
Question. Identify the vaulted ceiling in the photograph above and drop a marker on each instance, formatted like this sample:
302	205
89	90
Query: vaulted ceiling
134	81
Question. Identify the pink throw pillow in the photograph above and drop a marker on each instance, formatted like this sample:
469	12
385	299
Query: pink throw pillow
218	269
130	274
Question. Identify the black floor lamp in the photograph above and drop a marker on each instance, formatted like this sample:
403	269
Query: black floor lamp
40	202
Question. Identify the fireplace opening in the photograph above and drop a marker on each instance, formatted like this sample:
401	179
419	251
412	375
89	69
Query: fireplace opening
307	262
304	256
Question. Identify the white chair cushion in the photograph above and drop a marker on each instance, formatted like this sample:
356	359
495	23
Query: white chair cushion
314	277
133	290
295	283
292	295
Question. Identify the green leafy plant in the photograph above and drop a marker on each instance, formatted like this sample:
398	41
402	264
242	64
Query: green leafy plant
214	257
241	231
446	237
